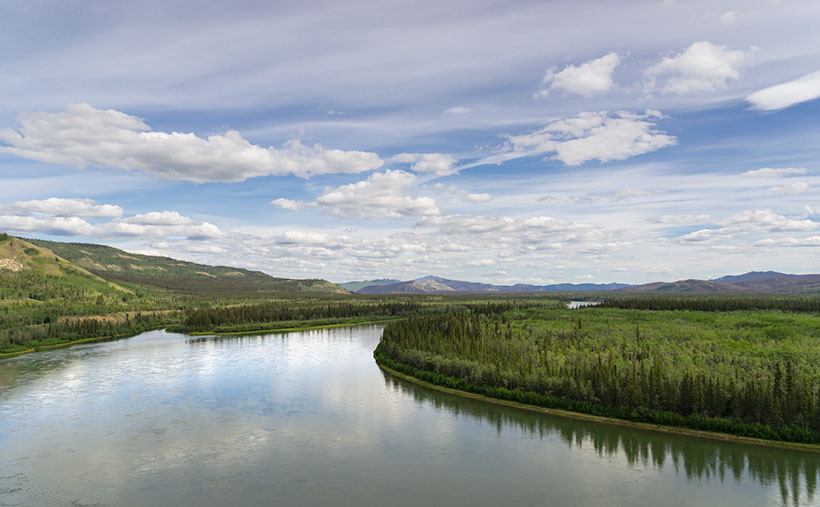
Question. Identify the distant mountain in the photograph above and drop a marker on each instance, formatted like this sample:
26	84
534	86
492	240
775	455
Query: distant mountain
122	267
751	276
685	286
437	285
762	282
354	286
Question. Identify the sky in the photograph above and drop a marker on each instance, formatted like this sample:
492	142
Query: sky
495	141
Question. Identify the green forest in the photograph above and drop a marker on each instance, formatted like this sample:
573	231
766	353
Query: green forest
753	373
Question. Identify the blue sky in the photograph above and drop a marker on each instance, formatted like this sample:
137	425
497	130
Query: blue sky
493	141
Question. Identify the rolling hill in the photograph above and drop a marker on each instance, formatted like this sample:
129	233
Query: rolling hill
31	273
123	267
755	282
355	286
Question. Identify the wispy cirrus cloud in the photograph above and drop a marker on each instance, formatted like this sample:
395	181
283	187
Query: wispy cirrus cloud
776	172
790	93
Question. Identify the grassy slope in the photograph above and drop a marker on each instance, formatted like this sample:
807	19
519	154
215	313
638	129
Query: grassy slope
32	273
180	276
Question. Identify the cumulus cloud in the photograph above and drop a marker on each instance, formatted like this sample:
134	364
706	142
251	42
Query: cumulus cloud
772	172
702	67
524	234
382	195
85	208
439	164
478	198
58	226
749	221
83	136
590	78
164	224
590	136
790	93
288	204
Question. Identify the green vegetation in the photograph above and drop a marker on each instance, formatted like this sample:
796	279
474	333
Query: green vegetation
56	293
749	373
723	303
179	276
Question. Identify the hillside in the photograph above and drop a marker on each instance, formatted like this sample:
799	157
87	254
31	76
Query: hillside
357	285
180	276
769	282
437	285
31	273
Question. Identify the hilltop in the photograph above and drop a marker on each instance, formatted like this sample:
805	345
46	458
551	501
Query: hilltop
179	276
33	273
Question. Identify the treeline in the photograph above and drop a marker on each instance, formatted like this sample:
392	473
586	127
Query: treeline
612	368
66	330
213	318
716	303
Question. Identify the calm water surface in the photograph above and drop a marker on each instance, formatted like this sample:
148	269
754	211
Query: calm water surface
309	419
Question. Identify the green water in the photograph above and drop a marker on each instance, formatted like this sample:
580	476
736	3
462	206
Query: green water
307	418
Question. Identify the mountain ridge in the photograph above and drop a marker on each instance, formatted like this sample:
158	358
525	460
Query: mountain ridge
119	266
751	282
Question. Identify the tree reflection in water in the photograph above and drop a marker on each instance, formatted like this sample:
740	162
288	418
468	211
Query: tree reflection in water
795	472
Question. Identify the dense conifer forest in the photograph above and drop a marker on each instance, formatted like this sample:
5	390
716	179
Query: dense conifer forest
751	373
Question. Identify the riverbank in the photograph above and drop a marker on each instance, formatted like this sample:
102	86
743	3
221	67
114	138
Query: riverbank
40	348
726	437
306	327
288	328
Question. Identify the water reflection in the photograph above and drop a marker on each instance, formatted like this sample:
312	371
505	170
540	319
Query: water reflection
794	472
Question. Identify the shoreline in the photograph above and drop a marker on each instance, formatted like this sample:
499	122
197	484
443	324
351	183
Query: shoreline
676	430
41	348
7	355
287	329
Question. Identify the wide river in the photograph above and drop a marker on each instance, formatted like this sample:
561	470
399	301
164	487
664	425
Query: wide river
308	418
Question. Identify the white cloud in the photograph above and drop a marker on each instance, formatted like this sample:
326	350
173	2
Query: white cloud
478	198
382	195
702	67
749	221
792	188
771	172
590	78
457	110
685	219
164	224
728	17
288	204
521	233
811	241
85	208
59	226
83	136
781	96
439	164
590	136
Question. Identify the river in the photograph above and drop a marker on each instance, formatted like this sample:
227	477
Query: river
307	418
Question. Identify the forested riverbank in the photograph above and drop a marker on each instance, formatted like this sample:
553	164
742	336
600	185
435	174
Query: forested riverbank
748	373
